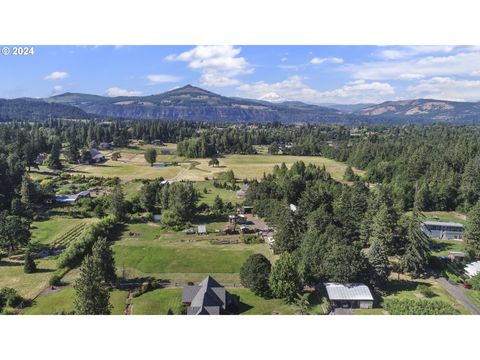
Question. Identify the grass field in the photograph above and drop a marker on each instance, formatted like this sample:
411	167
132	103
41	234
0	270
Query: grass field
447	216
212	192
62	302
27	285
132	166
406	288
474	295
148	250
442	247
158	302
377	311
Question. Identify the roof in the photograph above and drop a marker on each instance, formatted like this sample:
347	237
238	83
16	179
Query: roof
442	223
473	268
456	253
356	291
71	198
206	298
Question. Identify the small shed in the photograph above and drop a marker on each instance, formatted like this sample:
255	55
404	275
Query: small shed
202	229
247	209
157	218
352	296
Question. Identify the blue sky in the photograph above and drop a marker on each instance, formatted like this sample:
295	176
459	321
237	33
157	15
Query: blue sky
313	74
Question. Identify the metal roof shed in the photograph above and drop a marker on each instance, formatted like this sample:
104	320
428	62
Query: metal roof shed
349	295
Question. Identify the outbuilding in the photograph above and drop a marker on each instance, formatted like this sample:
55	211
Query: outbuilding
352	296
202	229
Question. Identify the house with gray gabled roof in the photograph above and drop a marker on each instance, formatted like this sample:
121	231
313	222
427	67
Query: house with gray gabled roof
209	298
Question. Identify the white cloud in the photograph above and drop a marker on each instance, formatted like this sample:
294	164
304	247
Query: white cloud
57	89
294	88
447	88
461	63
411	76
162	78
283	59
219	65
116	91
411	51
56	75
333	60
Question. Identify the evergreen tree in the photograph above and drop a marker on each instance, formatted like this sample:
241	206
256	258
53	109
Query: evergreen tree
29	265
150	156
53	160
349	175
379	263
91	295
472	233
285	280
417	251
116	203
218	205
103	255
384	223
26	192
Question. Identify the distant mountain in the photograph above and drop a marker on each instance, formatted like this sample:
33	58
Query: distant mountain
192	103
37	109
425	110
196	104
347	108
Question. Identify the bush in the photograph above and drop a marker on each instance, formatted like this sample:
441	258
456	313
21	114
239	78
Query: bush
426	291
55	280
418	307
475	282
251	239
9	297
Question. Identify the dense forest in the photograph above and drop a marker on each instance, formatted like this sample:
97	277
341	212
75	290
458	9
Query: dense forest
441	164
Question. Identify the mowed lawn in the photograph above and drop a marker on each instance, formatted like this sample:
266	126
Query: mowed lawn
158	302
148	250
62	302
209	196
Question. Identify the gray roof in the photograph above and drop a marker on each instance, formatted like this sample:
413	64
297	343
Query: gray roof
206	298
442	223
356	291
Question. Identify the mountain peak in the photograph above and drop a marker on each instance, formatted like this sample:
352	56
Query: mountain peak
190	90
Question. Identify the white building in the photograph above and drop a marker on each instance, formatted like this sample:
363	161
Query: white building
443	230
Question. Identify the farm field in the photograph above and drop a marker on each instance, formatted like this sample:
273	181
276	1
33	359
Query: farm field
45	232
62	302
147	250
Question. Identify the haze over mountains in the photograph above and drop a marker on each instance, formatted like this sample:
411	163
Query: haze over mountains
193	103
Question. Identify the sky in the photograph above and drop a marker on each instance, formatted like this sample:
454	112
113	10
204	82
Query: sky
312	74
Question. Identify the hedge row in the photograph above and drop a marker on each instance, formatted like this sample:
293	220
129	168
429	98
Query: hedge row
418	307
77	249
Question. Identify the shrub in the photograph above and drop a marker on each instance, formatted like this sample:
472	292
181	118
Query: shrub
475	282
426	291
418	307
251	239
55	280
9	297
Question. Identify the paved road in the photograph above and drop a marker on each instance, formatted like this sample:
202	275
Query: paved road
458	292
